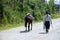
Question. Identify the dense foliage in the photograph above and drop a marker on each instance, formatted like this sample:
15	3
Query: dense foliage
13	11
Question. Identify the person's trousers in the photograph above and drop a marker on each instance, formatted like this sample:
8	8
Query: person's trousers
47	24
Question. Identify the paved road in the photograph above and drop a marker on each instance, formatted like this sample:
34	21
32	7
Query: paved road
36	34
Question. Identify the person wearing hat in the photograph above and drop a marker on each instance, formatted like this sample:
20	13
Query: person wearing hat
47	21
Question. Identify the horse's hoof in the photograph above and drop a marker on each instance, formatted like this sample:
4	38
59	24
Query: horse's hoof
25	30
31	29
28	30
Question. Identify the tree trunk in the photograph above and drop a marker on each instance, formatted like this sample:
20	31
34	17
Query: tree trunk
1	11
21	5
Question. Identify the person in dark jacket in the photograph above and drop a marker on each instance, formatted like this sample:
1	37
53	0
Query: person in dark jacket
47	21
28	20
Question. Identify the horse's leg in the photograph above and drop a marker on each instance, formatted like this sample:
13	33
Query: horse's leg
31	25
28	26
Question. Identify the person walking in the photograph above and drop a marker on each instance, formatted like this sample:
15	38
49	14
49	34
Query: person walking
47	21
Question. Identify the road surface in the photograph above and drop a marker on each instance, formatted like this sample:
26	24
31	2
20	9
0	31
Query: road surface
36	34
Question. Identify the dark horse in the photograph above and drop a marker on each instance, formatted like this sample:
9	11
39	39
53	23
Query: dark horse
28	20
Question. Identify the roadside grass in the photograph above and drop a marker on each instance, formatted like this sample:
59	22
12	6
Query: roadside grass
55	16
9	26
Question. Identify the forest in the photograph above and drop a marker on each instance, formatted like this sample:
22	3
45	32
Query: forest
12	12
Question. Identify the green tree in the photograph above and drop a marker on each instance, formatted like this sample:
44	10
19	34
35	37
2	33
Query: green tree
21	5
51	6
1	11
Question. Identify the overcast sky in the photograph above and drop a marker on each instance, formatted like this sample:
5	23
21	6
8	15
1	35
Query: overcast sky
56	1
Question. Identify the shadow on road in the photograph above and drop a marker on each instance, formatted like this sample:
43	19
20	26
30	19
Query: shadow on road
42	33
23	31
